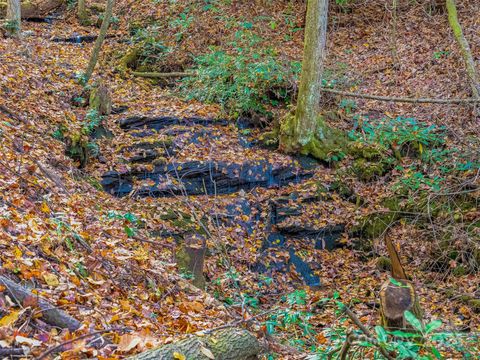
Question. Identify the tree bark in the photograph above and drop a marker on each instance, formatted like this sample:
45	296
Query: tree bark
14	18
50	314
306	131
228	344
464	46
82	12
98	43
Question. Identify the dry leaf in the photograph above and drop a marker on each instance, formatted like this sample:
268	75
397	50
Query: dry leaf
10	318
207	353
51	279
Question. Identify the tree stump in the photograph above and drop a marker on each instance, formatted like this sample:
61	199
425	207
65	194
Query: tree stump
396	297
100	99
191	258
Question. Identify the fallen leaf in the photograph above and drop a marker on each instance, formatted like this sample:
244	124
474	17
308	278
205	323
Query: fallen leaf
207	353
51	279
10	319
128	342
178	356
27	341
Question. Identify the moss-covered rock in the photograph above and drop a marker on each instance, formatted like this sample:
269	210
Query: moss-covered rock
368	170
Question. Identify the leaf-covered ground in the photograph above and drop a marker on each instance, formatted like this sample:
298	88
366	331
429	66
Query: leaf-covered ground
94	255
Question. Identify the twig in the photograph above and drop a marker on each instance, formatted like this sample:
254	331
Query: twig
59	346
367	332
12	352
346	346
238	322
158	75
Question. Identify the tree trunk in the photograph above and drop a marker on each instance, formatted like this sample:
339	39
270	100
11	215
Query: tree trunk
306	131
14	17
82	12
98	44
464	46
228	344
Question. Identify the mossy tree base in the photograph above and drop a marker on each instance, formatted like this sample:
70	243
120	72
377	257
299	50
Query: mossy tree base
324	144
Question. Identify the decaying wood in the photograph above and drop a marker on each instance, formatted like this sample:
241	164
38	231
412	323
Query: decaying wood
11	352
191	258
227	344
397	296
49	313
402	99
33	8
158	75
100	99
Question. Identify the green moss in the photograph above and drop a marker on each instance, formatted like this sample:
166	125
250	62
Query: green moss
475	305
94	182
358	149
384	264
460	270
324	143
367	170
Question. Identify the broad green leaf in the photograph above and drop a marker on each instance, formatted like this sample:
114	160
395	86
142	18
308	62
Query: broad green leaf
432	326
399	333
436	353
129	231
381	334
412	320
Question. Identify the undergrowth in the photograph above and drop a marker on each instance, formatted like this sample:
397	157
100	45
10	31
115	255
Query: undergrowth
246	81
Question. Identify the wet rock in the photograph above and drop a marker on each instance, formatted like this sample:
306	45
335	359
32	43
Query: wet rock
203	178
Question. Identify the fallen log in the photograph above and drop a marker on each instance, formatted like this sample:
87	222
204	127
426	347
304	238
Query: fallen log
159	75
227	344
49	313
33	9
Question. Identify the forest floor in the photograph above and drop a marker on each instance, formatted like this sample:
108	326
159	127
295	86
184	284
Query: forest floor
110	262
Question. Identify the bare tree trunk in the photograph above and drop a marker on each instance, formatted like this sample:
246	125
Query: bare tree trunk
464	46
101	37
306	131
82	12
14	18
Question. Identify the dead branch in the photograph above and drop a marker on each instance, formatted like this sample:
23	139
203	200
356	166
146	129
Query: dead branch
158	75
367	333
403	99
50	314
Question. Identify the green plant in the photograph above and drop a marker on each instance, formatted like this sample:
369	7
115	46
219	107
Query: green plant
11	25
182	23
149	47
424	344
71	4
130	221
246	81
399	134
